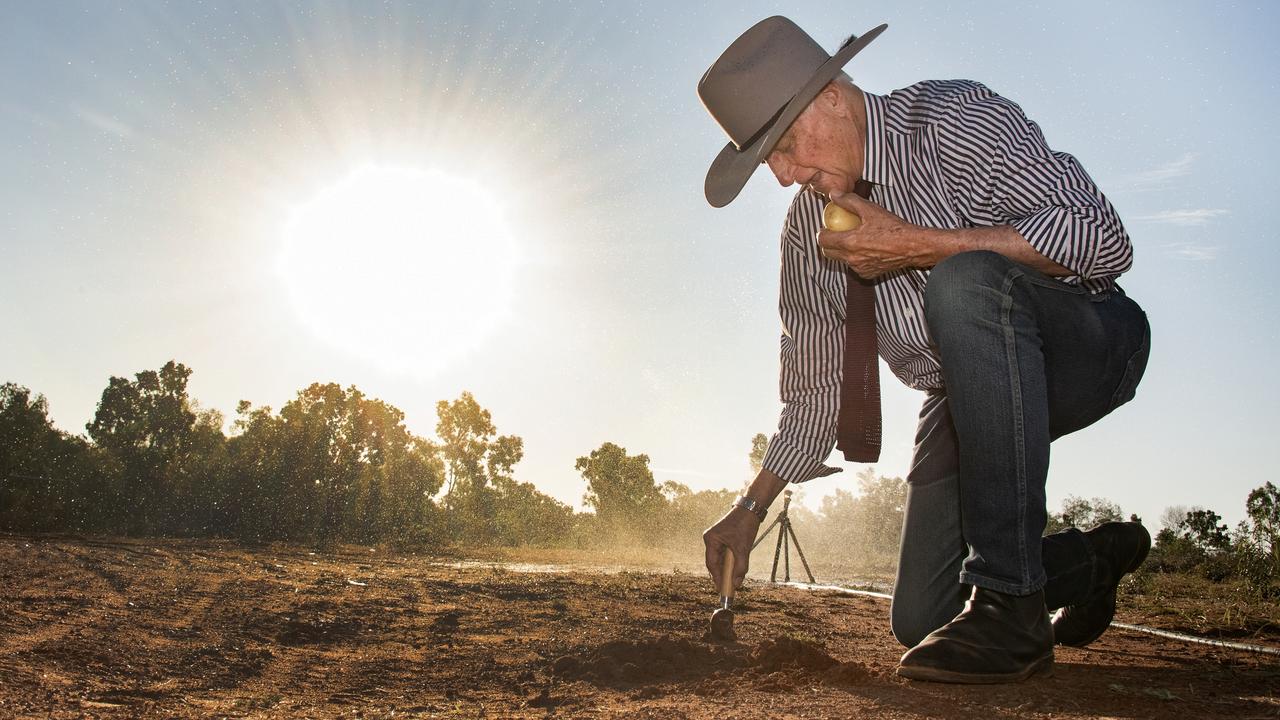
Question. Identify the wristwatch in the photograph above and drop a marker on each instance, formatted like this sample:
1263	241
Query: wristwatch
750	504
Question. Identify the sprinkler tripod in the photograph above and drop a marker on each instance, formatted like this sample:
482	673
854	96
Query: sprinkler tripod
783	548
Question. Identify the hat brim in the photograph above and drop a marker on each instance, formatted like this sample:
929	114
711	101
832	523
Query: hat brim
732	168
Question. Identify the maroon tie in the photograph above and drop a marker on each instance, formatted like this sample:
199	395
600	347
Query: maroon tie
858	427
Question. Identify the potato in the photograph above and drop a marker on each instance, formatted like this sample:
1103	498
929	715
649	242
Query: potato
837	218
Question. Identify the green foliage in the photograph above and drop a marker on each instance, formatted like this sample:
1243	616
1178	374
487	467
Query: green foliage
332	466
525	516
1080	513
477	460
1206	530
850	532
621	490
40	467
1263	508
759	445
1197	542
864	528
688	513
1192	541
336	466
160	449
1257	544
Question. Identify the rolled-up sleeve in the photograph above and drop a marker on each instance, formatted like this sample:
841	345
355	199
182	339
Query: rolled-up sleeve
1000	171
812	354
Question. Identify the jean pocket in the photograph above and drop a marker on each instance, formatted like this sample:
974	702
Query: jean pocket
1036	277
1134	370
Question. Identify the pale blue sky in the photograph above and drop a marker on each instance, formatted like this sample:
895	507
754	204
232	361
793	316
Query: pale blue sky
152	151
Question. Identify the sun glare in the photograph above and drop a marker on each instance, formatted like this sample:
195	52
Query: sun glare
407	268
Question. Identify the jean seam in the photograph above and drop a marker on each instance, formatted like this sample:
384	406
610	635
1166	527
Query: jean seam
1000	586
1015	387
1127	381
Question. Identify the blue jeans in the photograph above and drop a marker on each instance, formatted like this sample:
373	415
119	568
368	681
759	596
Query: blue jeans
1026	359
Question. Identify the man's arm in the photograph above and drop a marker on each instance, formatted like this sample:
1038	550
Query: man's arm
1020	198
885	242
811	348
812	351
737	529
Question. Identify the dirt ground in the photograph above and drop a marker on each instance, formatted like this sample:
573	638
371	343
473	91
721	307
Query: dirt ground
151	628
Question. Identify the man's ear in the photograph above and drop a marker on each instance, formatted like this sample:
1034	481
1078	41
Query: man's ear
831	100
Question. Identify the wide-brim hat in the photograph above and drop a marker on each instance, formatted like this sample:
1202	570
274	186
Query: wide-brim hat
757	88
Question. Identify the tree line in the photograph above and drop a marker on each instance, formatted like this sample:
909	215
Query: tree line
1195	541
333	465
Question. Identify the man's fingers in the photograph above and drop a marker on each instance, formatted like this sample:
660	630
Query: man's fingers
715	558
850	201
833	244
740	566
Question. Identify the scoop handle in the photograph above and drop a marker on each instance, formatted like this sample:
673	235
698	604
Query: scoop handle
726	575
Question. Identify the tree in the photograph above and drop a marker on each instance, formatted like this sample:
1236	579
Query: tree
203	476
1197	542
526	516
334	465
1263	509
1080	513
40	467
1257	545
1206	529
869	524
1172	517
256	505
149	426
759	446
620	488
476	458
688	513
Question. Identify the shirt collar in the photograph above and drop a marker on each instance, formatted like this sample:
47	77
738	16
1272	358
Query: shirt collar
875	162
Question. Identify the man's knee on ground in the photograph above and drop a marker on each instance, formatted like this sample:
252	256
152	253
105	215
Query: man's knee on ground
910	626
949	293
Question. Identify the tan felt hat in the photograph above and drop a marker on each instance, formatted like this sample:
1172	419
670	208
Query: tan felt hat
757	88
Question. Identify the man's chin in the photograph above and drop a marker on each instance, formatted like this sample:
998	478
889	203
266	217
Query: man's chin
825	191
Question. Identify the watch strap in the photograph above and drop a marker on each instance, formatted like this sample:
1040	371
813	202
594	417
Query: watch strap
749	504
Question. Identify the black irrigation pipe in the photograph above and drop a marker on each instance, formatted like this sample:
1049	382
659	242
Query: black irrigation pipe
1232	645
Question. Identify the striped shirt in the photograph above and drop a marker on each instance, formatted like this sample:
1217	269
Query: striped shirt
943	154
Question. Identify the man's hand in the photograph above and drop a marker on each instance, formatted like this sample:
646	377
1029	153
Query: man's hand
736	531
883	242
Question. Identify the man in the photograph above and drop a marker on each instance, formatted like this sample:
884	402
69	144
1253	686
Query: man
984	273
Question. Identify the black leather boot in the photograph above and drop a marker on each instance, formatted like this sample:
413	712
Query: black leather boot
1118	548
997	638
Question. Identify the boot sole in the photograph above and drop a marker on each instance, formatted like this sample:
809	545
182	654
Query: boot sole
1042	666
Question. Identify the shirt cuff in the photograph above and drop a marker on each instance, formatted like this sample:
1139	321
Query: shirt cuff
1053	232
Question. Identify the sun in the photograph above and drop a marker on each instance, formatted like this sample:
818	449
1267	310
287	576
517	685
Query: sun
410	269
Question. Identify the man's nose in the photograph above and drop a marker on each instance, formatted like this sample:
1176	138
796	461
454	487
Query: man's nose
781	169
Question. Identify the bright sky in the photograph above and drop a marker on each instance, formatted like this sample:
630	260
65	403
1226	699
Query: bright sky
154	156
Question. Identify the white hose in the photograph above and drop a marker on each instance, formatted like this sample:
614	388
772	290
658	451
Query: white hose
1250	647
1195	639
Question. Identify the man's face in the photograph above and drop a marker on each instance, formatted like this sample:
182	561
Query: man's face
822	149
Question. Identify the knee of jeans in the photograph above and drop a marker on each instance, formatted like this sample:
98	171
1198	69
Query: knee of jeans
949	291
908	627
